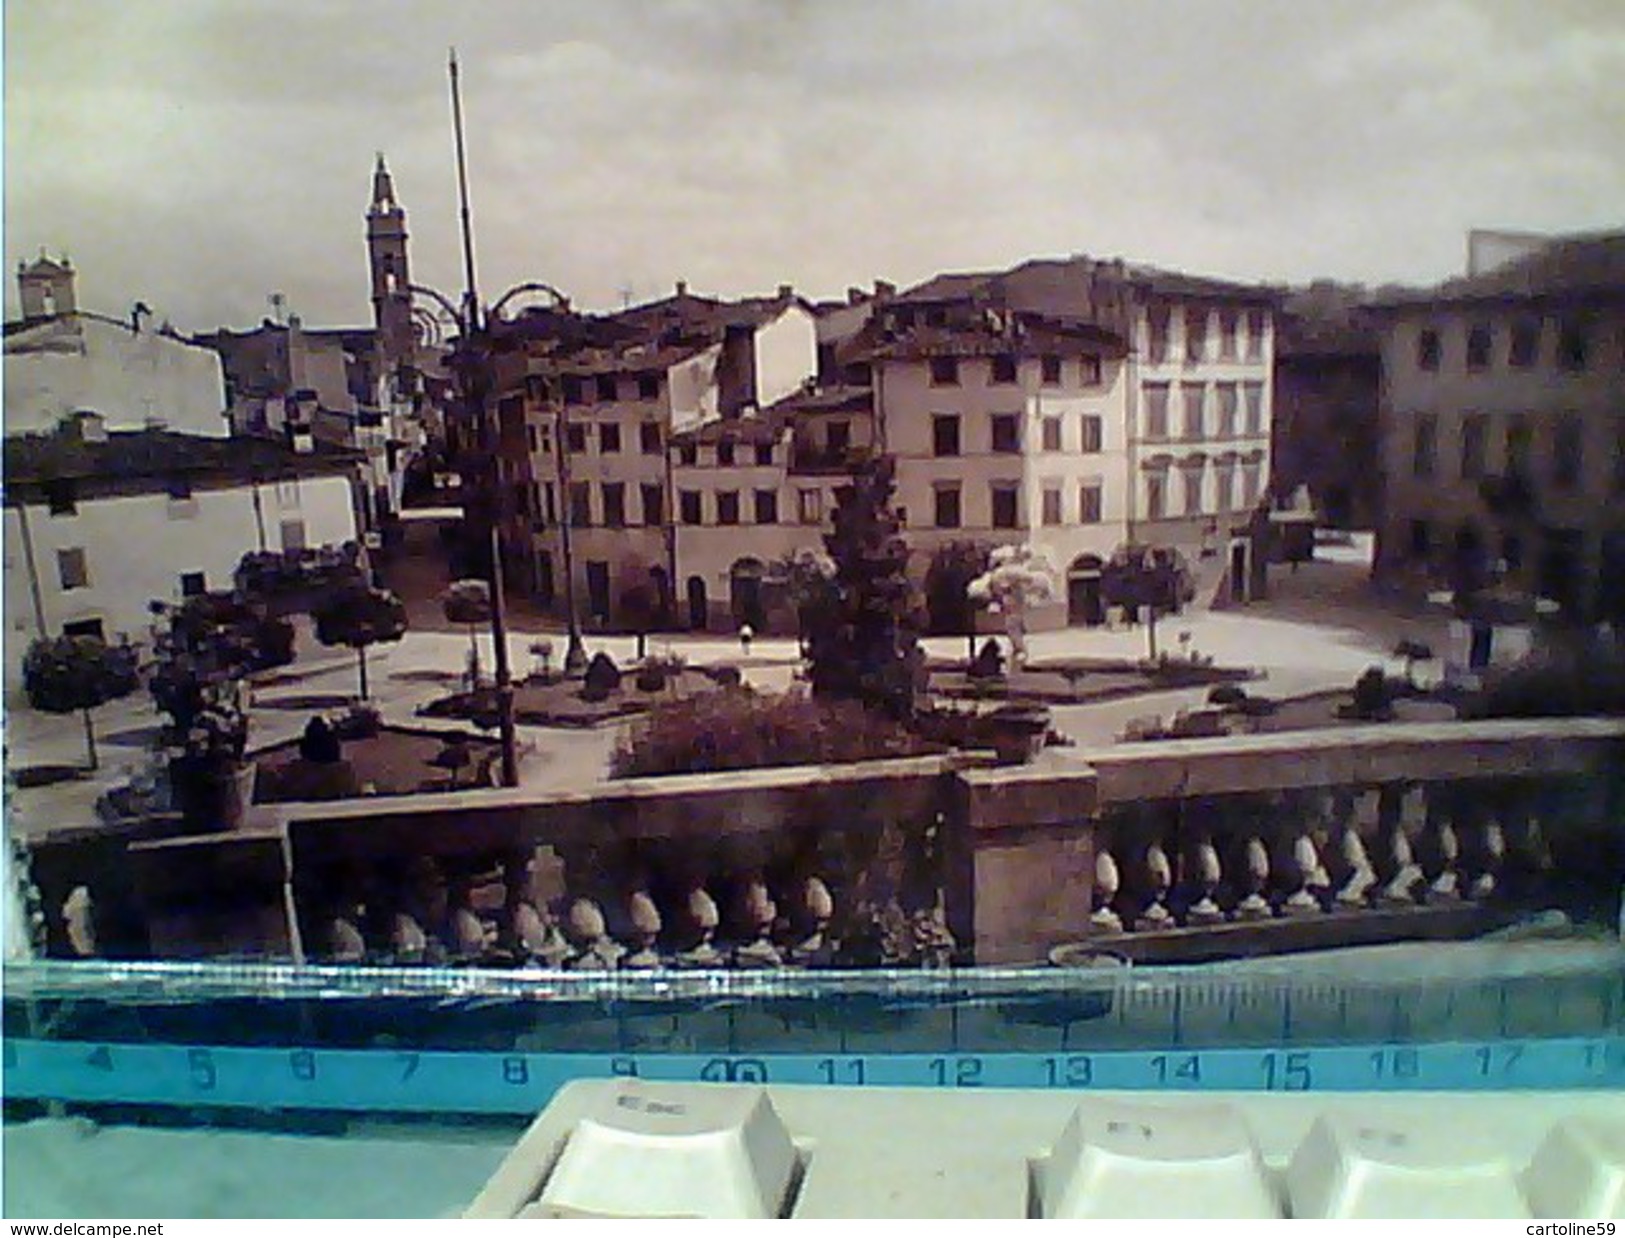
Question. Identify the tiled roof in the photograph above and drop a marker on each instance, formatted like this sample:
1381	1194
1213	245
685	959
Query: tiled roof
1585	267
1076	286
136	455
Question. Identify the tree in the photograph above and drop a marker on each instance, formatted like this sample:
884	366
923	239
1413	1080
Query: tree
1150	578
1018	580
809	579
67	674
641	609
359	618
469	602
947	582
866	648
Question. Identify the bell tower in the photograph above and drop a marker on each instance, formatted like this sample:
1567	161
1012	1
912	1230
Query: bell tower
391	279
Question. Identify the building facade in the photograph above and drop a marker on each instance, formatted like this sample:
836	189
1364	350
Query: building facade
1502	447
61	360
99	524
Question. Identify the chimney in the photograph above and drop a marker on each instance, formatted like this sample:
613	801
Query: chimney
856	296
884	289
786	291
682	287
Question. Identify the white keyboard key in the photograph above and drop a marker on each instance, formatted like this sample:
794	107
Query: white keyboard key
1116	1160
1579	1171
644	1150
1348	1166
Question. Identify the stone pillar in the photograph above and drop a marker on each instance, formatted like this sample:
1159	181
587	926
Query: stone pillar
1019	855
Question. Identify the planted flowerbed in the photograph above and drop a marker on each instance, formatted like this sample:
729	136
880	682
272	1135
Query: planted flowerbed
394	761
557	701
1078	682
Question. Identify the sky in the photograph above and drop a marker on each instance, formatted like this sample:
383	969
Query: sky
201	155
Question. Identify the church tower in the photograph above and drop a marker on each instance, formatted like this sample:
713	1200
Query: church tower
391	280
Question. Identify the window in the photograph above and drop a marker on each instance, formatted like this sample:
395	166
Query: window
614	504
688	503
945	371
1156	410
1227	335
1195	335
1425	445
609	438
1525	349
767	507
838	437
1520	439
1255	335
1004	369
1091	434
1193	395
1253	394
580	504
648	386
1251	477
292	533
654	503
810	506
1052	434
1572	345
1089	503
1006	432
572	390
521	498
72	569
287	494
1052	505
530	439
1156	322
1475	437
550	503
857	374
1156	495
63	497
1567	456
1427	349
1421	539
1227	410
764	454
1004	505
1224	488
544	439
725	453
194	584
1089	370
1051	367
649	438
947	515
607	387
1193	490
1479	340
727	507
688	454
575	439
86	627
945	435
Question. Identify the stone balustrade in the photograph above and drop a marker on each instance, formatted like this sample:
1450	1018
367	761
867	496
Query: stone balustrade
1175	850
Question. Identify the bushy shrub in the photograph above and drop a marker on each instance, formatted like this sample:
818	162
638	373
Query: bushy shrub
747	730
1588	681
726	676
602	678
651	679
1372	697
989	661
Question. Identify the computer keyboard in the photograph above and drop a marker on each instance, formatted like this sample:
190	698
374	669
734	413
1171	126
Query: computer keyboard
630	1148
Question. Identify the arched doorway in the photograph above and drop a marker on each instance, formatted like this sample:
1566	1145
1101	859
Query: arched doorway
745	593
698	612
1083	601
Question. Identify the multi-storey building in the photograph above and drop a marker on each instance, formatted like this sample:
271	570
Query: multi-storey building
1053	404
1502	445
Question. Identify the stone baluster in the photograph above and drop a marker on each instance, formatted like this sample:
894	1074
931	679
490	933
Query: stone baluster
79	921
1108	881
1446	884
467	939
1307	876
1359	875
818	907
345	941
757	913
1159	878
934	944
1492	850
408	943
644	917
1401	889
536	934
704	918
1207	874
1255	880
596	950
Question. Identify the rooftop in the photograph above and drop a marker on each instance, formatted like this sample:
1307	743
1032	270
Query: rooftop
1585	266
138	455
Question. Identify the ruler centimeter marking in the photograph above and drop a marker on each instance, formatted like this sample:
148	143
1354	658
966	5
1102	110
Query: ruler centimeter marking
438	1081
